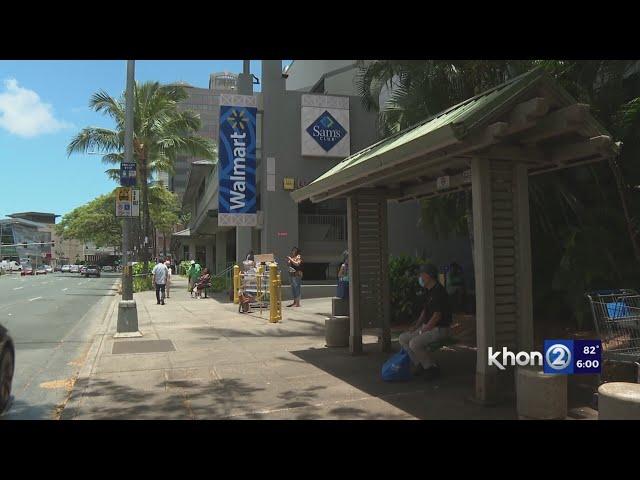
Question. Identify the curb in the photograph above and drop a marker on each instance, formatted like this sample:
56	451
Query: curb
72	406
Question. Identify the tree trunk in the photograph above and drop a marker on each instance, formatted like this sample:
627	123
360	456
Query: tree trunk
633	237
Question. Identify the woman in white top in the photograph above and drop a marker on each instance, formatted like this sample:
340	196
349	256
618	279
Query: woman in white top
168	264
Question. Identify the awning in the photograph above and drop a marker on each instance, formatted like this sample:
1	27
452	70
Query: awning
526	116
198	170
182	233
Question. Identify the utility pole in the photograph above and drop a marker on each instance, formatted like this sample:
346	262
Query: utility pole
127	309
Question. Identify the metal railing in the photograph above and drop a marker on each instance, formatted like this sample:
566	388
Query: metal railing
336	231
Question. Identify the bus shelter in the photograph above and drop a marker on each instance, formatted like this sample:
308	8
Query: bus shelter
491	144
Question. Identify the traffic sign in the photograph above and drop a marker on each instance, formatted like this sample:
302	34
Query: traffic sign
127	203
128	174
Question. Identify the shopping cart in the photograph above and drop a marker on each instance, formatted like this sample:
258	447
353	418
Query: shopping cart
616	314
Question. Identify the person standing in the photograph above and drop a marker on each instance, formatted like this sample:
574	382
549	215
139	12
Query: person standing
343	276
159	274
295	272
432	325
169	274
193	274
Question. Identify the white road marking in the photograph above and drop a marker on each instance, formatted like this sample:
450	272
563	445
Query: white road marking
32	299
18	288
65	289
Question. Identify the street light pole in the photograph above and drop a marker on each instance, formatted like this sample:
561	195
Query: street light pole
127	310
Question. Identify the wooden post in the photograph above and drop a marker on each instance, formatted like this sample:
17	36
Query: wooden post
523	261
384	277
486	381
355	322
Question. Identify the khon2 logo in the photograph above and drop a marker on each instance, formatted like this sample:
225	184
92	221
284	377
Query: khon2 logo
326	131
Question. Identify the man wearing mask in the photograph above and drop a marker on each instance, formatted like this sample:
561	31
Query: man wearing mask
432	325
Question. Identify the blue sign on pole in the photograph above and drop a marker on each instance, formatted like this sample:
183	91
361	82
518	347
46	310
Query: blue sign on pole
237	162
128	174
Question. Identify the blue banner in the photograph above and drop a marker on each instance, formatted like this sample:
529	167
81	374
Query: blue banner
237	166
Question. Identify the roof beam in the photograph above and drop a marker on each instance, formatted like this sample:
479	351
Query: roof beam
514	153
574	151
455	182
564	120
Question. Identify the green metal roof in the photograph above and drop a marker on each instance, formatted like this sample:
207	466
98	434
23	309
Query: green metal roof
449	126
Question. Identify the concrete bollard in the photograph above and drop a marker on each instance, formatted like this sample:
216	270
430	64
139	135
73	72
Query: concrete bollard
340	307
619	401
540	396
337	331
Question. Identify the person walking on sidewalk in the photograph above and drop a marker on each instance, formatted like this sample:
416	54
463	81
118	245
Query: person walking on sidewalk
193	274
169	274
160	273
432	326
295	273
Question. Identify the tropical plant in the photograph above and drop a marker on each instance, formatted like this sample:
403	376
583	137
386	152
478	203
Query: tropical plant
161	132
404	288
568	208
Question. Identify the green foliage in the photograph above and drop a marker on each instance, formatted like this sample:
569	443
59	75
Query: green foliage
184	266
404	288
94	222
218	284
142	284
585	221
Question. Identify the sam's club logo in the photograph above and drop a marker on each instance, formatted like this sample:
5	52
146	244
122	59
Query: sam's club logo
326	131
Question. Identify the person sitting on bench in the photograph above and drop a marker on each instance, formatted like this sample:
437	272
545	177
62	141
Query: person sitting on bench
203	282
431	327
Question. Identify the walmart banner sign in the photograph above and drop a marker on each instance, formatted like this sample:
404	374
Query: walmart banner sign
237	161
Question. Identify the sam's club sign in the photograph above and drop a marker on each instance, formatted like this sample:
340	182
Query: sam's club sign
237	161
325	126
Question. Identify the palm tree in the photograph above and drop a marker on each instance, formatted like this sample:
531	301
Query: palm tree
161	133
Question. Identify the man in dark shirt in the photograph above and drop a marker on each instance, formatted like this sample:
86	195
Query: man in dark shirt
432	325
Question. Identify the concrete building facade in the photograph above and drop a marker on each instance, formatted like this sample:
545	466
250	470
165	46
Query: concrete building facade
319	230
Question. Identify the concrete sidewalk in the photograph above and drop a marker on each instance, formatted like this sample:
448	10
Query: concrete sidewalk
231	366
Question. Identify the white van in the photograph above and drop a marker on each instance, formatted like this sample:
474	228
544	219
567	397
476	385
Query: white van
10	266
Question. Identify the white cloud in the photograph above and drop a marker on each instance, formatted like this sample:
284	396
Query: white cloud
23	113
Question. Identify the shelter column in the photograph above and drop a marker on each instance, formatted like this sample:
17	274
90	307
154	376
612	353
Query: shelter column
355	325
486	382
523	260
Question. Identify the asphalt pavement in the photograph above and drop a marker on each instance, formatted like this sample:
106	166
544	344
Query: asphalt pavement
52	319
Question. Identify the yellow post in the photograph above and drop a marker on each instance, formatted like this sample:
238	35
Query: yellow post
275	307
236	284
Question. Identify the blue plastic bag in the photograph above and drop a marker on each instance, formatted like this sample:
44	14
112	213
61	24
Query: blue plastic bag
397	368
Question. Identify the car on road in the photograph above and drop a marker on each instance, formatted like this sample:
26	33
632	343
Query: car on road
74	268
65	268
7	367
92	271
48	268
27	270
57	268
107	268
10	266
41	270
83	269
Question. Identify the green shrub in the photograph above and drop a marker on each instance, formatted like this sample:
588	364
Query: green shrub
141	284
405	291
184	266
218	284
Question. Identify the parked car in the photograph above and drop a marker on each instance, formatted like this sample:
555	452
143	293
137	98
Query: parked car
48	268
65	268
83	269
27	270
74	268
41	270
92	271
57	268
7	367
107	268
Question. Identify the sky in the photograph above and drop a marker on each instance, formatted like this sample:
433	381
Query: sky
43	104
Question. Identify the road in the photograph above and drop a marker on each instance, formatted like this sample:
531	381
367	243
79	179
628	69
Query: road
52	319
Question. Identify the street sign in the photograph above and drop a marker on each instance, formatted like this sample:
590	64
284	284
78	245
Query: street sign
128	174
466	176
442	182
135	203
124	202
